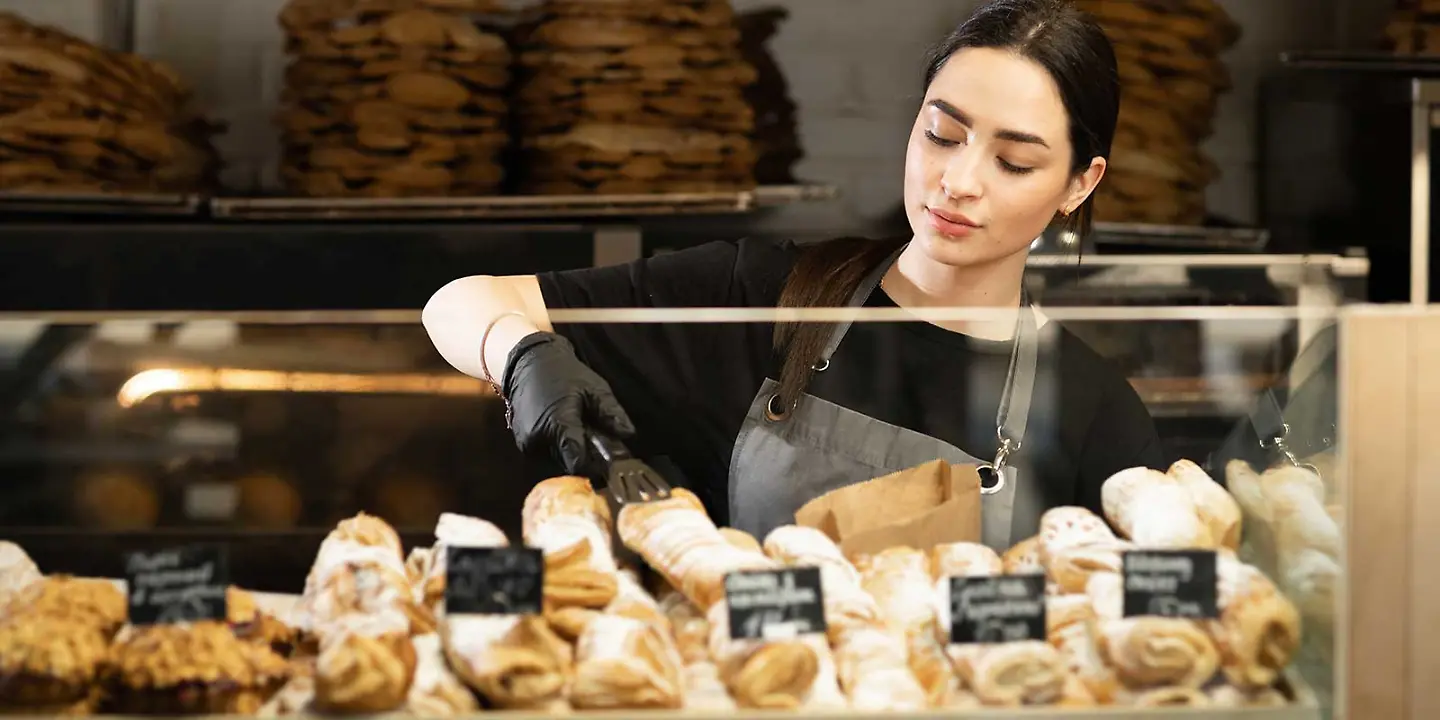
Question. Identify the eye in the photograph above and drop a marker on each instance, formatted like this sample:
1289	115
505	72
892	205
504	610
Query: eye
942	142
1014	169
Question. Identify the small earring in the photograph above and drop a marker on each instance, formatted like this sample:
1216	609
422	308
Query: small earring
1065	212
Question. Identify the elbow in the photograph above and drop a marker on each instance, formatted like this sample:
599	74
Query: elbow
455	296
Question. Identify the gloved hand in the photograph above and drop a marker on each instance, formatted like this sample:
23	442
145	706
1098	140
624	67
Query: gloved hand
555	399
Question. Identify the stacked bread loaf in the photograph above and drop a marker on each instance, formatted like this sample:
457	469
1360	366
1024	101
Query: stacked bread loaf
394	98
76	117
633	96
1171	77
1414	28
777	133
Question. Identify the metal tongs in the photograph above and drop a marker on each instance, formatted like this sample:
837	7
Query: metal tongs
628	479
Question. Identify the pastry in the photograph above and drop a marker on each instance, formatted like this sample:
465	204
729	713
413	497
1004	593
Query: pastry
50	665
1228	696
197	669
570	523
453	529
677	539
1154	510
761	674
1070	628
513	662
1063	528
1071	568
691	629
98	604
1259	629
1023	558
250	623
704	690
435	691
17	572
1217	509
366	664
872	663
900	580
1148	652
1164	697
1012	674
622	662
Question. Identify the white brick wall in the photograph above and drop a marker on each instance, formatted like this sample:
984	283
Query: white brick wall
854	67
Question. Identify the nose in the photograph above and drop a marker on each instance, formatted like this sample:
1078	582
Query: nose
961	178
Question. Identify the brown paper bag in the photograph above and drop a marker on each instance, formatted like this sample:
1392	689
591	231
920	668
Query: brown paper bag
920	507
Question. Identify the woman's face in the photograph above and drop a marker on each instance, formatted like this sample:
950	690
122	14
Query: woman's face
990	163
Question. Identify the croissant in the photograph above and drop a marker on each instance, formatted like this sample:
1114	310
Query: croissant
17	572
1023	558
676	538
1012	674
366	665
1154	510
1149	652
1259	629
900	580
741	539
623	663
565	517
847	605
1064	528
760	674
1069	621
704	690
435	691
1217	509
514	662
873	665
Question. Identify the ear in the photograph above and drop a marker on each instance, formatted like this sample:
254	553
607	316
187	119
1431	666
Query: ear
1084	184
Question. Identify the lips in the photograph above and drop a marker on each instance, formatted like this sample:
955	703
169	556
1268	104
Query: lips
951	224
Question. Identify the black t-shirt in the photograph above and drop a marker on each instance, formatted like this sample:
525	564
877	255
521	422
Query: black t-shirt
688	386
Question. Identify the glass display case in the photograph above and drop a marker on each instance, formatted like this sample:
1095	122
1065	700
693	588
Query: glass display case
260	432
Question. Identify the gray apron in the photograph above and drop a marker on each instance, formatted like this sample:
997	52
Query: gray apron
783	460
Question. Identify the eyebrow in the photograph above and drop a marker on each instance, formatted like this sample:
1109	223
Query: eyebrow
1011	135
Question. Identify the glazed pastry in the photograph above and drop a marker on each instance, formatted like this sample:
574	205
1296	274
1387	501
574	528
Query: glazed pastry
1064	528
900	581
570	523
366	664
250	623
368	530
197	669
1148	652
633	601
1154	510
514	662
1023	558
360	587
17	572
435	691
453	529
691	629
1259	629
676	538
847	605
417	567
1070	622
760	674
1244	485
741	539
623	663
49	665
963	559
1071	568
1217	509
292	699
704	690
1012	674
94	603
873	665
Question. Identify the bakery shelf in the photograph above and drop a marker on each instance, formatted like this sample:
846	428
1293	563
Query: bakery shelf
100	204
1181	237
515	207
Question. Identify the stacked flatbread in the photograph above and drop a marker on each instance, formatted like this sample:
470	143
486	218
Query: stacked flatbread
777	132
394	98
80	118
1171	78
633	96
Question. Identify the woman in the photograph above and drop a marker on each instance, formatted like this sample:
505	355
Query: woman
1018	116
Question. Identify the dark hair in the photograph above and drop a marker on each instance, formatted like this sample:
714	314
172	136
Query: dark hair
1053	33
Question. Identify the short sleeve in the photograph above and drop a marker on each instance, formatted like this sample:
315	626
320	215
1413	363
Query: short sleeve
679	378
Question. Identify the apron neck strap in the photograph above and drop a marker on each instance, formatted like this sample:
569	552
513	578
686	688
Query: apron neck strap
1014	412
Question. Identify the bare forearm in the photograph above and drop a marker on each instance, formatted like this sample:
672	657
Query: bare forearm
458	315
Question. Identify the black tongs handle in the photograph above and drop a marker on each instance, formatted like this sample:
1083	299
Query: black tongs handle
610	449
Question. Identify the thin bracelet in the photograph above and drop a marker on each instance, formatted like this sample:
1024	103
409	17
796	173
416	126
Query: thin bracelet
484	365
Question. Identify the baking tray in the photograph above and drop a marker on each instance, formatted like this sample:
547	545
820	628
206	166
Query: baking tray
1180	237
537	207
99	204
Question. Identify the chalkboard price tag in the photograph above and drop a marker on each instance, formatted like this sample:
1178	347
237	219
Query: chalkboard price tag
775	604
185	584
997	609
494	580
1171	583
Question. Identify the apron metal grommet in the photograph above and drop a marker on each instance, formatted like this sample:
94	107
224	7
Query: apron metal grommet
821	366
991	482
771	413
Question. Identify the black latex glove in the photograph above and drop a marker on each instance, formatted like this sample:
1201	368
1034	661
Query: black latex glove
555	399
